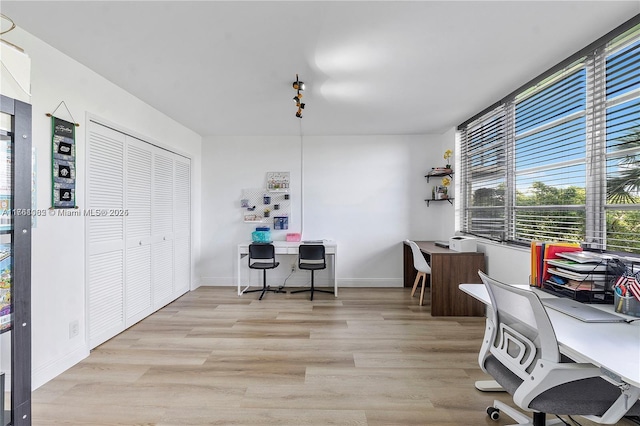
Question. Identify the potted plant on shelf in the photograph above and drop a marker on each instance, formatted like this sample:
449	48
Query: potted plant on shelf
267	212
447	155
445	190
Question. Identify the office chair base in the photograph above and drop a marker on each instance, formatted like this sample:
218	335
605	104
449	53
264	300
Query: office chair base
312	290
488	386
539	419
264	290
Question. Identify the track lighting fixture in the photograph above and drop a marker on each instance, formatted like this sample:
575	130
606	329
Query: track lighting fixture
299	87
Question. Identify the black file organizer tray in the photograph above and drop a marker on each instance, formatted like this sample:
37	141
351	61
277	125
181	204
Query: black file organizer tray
596	293
599	295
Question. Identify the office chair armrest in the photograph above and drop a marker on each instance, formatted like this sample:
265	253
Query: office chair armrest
549	374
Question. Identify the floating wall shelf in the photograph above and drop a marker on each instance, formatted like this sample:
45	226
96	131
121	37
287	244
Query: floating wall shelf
428	175
450	200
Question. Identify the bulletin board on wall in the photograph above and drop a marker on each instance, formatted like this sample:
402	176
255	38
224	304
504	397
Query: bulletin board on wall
269	205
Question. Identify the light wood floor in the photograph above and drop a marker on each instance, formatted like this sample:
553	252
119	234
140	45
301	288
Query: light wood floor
370	357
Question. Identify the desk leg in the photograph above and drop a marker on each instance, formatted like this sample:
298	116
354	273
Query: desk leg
239	273
238	259
335	280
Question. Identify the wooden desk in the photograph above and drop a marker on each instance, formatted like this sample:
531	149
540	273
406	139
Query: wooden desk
448	269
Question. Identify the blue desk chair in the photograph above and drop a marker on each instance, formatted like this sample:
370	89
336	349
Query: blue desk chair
263	256
521	352
312	257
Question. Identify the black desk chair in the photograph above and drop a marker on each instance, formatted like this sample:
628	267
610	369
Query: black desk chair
312	257
521	352
263	256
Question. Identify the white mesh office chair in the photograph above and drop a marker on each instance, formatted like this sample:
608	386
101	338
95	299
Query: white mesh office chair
521	352
421	265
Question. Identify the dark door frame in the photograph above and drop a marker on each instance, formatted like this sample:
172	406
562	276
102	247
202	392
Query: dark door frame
21	273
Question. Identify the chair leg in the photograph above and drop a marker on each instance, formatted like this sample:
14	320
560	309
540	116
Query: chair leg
424	284
265	288
264	285
312	286
312	289
415	283
516	415
538	419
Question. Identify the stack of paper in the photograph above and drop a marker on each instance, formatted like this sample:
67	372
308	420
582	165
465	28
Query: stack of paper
541	253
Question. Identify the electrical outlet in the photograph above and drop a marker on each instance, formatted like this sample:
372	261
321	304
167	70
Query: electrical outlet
74	329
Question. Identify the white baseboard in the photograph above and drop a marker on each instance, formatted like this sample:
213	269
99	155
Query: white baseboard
216	282
342	282
195	283
41	375
370	282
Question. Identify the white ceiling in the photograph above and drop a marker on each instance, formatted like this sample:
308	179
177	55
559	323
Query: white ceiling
379	67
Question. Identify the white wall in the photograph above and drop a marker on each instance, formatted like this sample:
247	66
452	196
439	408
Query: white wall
16	73
365	192
58	273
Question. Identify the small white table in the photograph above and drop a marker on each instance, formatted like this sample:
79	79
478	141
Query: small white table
615	347
290	248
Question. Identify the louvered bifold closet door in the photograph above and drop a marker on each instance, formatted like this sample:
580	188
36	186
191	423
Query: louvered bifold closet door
105	234
138	302
182	224
162	228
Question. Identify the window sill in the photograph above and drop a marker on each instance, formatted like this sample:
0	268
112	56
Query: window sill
507	245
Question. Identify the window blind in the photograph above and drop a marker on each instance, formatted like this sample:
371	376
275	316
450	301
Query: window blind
623	144
559	160
550	159
484	176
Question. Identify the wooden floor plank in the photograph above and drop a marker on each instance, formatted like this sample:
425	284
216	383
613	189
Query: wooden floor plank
370	357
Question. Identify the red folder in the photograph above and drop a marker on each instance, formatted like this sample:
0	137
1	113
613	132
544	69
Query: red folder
551	252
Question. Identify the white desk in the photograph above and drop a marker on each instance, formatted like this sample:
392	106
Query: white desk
614	347
289	248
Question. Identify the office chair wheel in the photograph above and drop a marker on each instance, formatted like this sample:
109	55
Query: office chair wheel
493	413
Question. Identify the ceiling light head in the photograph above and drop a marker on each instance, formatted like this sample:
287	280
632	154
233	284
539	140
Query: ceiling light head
299	87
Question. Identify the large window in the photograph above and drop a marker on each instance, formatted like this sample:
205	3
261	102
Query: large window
559	160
